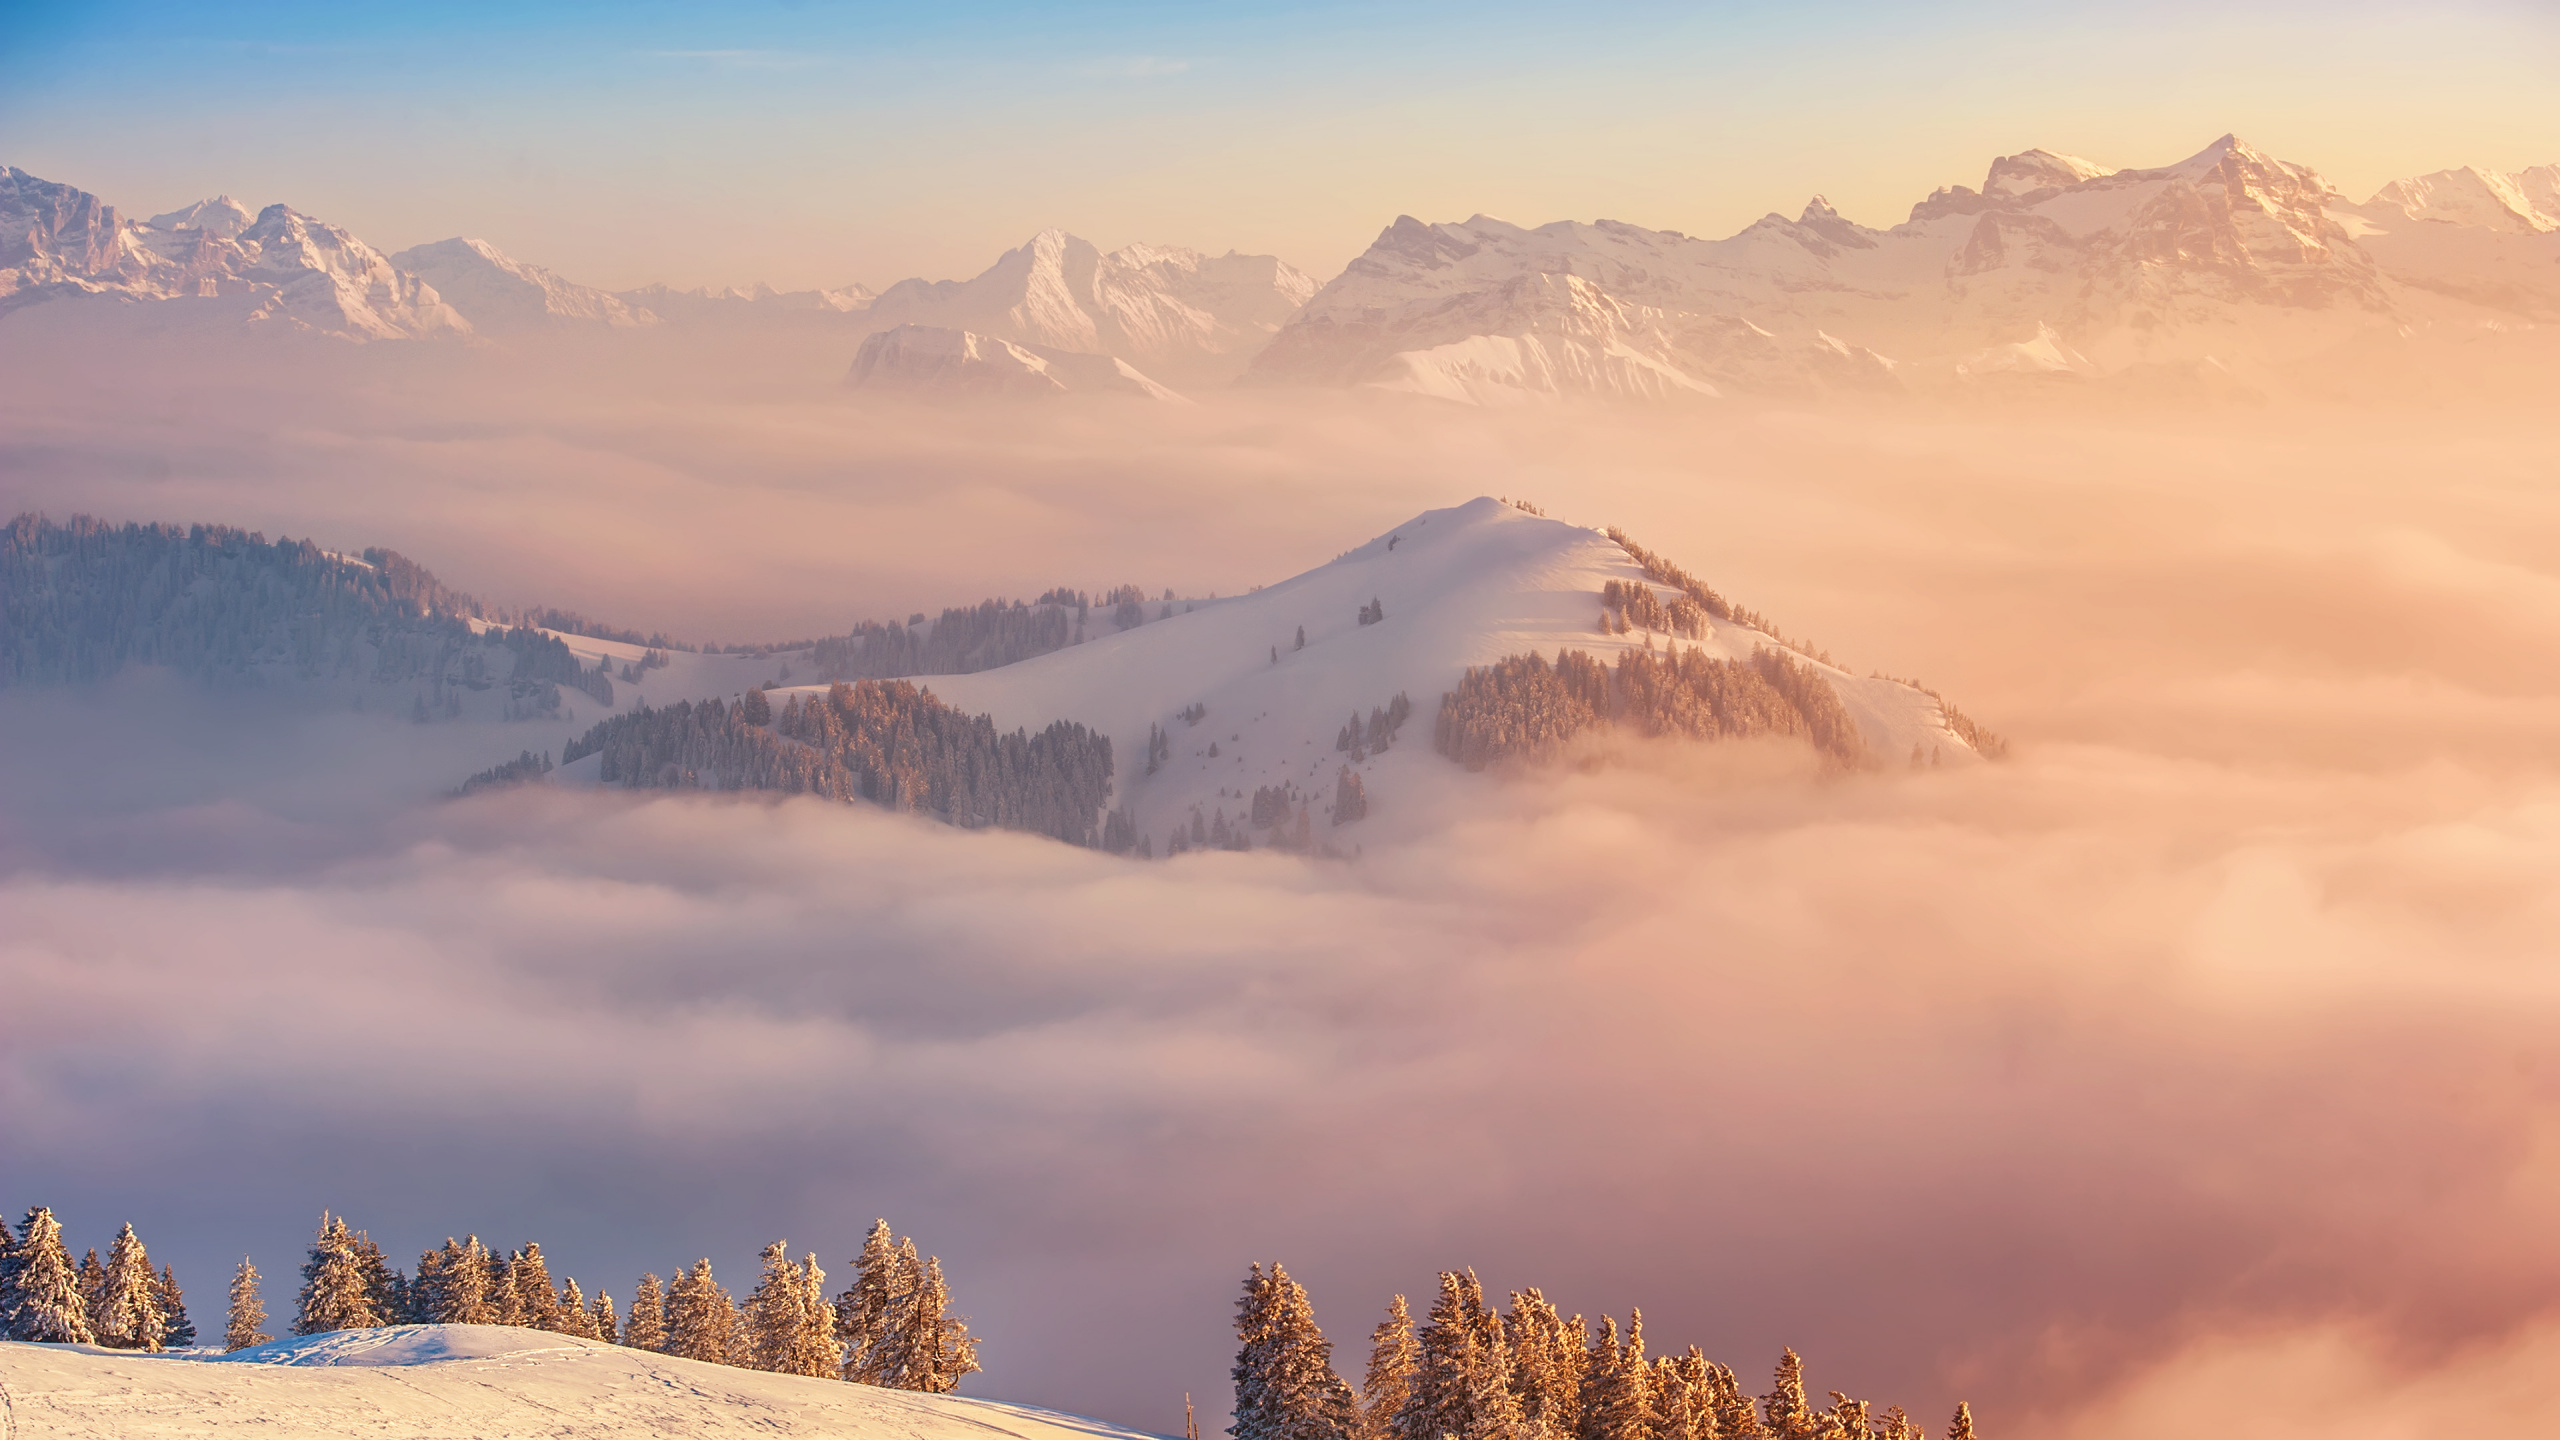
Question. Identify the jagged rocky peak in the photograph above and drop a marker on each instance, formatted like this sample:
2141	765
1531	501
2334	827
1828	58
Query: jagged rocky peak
1828	223
221	216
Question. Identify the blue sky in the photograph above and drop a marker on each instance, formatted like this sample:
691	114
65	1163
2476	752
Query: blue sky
824	143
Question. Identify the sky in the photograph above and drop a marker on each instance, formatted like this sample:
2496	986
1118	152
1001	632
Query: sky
819	144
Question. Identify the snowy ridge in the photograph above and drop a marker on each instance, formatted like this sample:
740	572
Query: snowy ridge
282	268
490	1381
1460	587
2125	271
1163	309
496	293
930	360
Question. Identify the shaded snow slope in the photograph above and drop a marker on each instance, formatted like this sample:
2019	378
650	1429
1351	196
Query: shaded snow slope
1463	586
489	1381
929	360
497	293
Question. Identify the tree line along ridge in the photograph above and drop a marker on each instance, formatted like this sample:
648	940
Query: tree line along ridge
892	1326
1528	1373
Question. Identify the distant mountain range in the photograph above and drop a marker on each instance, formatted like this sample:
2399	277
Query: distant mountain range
2219	271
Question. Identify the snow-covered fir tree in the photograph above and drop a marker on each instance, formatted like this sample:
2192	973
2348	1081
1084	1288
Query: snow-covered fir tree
1389	1381
1790	1416
600	1319
177	1331
128	1313
870	1314
1285	1385
455	1288
571	1308
1616	1400
42	1302
1961	1427
789	1328
702	1320
815	1351
247	1312
93	1287
1462	1385
939	1350
1547	1359
646	1328
530	1299
335	1293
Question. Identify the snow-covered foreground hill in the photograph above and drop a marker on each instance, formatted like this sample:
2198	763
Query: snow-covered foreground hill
488	1381
1244	706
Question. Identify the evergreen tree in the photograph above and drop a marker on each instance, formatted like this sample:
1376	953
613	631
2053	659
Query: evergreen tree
1790	1415
1961	1428
937	1349
1736	1417
128	1315
529	1289
1462	1385
43	1302
1616	1403
646	1328
1285	1385
240	1327
702	1320
773	1317
1389	1381
600	1319
882	1283
335	1295
815	1351
1847	1418
1546	1365
571	1308
386	1290
93	1287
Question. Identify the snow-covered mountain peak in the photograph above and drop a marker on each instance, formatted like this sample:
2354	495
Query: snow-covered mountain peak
1251	692
497	293
2524	203
1161	308
220	215
2032	171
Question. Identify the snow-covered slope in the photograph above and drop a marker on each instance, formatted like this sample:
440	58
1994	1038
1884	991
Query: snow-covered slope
497	293
1463	586
2124	267
1189	317
734	307
282	268
2525	202
489	1381
931	361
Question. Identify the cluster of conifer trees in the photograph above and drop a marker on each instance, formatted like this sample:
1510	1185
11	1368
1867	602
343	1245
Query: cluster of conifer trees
1523	707
80	601
83	599
891	1327
120	1303
963	640
1361	740
1529	1373
884	741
